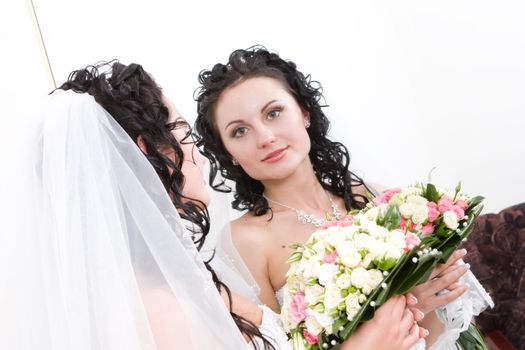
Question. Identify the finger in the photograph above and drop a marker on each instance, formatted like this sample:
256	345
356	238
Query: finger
412	338
458	254
423	332
448	279
454	286
392	307
450	296
417	314
448	270
406	322
411	299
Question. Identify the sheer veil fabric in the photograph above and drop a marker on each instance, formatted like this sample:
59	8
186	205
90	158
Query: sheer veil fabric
93	255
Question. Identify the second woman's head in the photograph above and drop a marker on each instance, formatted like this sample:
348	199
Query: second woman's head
260	119
136	102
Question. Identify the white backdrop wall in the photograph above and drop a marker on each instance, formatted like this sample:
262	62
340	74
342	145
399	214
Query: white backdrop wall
410	85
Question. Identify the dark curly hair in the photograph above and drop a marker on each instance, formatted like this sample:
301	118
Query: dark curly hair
134	100
330	159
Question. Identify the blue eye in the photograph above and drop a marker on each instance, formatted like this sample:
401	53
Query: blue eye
239	132
274	113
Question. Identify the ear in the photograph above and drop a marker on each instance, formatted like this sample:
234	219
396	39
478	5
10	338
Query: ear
306	115
142	144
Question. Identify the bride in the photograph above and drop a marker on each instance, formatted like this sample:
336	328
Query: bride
263	128
104	235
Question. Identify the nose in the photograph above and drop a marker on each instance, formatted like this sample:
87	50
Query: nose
265	137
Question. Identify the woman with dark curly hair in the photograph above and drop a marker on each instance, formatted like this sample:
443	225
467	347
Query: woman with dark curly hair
262	126
137	104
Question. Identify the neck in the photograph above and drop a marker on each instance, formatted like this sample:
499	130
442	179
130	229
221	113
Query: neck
300	190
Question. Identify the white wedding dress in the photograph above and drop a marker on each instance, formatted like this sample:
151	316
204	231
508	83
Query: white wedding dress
455	316
272	328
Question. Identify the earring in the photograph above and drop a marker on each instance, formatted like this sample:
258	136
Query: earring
235	162
307	123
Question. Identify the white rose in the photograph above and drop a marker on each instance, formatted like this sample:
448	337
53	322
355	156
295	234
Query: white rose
451	220
407	210
396	239
379	232
362	241
372	214
312	267
325	320
336	236
417	200
367	260
359	277
362	298
420	214
319	247
377	248
332	296
397	199
352	305
412	191
327	273
348	254
313	293
374	278
343	281
394	252
313	326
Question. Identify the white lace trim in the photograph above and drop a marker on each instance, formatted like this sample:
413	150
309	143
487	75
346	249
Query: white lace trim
272	328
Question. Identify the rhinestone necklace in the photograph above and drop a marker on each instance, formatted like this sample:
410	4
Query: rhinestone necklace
306	218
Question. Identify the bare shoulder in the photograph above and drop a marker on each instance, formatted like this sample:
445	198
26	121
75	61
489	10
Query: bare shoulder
249	229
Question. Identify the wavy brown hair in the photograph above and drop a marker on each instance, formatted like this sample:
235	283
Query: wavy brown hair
134	100
330	159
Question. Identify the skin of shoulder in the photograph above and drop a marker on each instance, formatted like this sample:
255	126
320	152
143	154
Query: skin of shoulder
252	241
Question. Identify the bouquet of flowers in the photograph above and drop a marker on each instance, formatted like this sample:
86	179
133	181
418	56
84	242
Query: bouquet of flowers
353	265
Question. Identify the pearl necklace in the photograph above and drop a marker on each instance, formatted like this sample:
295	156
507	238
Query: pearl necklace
306	218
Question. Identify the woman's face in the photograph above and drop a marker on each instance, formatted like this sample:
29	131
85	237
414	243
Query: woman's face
263	128
193	163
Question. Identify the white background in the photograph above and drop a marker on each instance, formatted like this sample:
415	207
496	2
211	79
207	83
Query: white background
411	85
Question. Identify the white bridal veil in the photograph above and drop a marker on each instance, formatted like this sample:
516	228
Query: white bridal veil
93	255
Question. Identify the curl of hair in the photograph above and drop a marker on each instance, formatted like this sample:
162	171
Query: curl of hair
134	100
330	159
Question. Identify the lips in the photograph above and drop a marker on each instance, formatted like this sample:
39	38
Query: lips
275	155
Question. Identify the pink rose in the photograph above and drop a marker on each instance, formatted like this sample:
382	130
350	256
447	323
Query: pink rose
445	204
411	240
386	196
459	212
427	229
330	258
433	211
310	338
298	307
462	204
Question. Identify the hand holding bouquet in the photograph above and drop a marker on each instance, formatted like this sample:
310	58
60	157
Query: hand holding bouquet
353	265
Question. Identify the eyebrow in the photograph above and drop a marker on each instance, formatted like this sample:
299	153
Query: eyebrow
240	120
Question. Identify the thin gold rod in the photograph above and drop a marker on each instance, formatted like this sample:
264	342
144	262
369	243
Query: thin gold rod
43	50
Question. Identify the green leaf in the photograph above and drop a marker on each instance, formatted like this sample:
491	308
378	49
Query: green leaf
387	264
472	339
431	193
392	218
